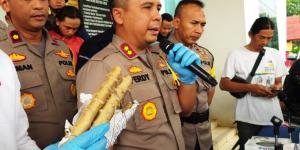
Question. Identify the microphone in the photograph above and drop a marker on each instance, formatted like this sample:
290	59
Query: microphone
166	46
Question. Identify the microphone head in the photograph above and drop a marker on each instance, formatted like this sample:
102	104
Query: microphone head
166	45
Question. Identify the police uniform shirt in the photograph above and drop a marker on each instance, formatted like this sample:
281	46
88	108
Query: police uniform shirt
203	129
156	122
47	84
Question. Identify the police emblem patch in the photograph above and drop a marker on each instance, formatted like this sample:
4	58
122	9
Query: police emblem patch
17	57
62	54
149	111
28	101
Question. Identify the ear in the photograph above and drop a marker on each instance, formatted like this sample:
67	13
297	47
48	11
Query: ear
176	22
5	5
118	15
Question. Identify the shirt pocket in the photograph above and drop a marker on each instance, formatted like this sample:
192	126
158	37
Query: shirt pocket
173	93
68	83
32	92
150	111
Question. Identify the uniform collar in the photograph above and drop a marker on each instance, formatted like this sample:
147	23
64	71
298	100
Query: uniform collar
16	39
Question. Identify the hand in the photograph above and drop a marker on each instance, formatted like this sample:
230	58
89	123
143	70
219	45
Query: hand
179	62
89	140
261	90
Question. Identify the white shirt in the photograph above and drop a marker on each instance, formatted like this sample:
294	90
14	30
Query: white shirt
253	109
13	119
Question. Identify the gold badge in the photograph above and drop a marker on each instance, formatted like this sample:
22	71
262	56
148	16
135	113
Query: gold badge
15	37
135	69
62	54
149	111
73	89
70	73
127	51
28	101
17	57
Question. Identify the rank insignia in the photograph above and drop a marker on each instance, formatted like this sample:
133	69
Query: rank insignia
70	73
15	36
135	69
17	57
127	51
149	111
62	54
73	89
28	101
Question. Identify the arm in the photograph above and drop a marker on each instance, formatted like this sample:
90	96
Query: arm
187	91
187	97
227	85
210	95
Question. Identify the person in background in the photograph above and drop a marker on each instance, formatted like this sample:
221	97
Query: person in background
161	95
54	8
14	121
92	46
44	67
189	22
166	26
68	20
255	110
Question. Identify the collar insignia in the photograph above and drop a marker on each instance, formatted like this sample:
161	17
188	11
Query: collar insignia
127	51
15	36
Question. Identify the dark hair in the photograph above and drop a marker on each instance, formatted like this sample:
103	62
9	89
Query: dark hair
68	11
261	24
167	17
186	2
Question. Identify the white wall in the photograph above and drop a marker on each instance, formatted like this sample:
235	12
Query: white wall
225	30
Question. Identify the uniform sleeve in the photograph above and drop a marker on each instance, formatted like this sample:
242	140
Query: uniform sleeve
229	68
90	77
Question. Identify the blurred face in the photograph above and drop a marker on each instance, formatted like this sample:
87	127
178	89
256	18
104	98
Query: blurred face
189	24
57	4
166	27
262	38
139	22
68	27
30	15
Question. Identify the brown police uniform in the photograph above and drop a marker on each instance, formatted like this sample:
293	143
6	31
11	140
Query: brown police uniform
47	84
197	126
156	122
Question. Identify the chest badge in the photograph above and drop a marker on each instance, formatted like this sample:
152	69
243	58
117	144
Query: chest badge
17	57
73	89
135	69
15	36
70	73
127	51
28	101
62	54
149	111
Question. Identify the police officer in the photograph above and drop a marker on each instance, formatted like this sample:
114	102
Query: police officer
189	22
44	67
156	122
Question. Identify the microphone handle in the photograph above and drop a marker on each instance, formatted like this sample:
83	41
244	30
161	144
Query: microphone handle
202	74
